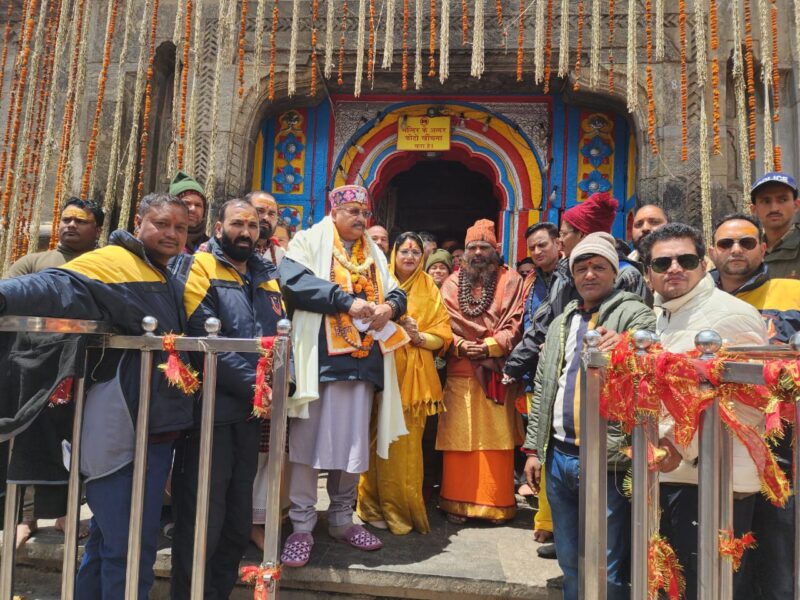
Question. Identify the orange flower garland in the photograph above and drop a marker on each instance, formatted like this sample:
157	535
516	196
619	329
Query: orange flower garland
548	47
405	45
66	130
371	50
520	38
751	85
776	75
777	157
579	47
101	92
684	83
242	36
23	76
187	32
366	284
432	42
464	23
716	111
273	51
6	38
314	18
342	39
611	25
148	101
651	103
498	9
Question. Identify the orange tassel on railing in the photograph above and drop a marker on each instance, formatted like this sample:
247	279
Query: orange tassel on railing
255	575
664	572
733	548
175	370
262	398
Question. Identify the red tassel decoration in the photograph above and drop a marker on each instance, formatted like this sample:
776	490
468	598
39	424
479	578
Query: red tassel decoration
262	398
256	575
733	548
176	371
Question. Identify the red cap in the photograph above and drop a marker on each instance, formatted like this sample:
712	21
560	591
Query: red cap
597	213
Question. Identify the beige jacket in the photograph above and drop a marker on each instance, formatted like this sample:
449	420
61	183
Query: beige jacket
679	320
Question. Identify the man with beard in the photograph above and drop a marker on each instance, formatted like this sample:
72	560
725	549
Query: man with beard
228	282
380	236
337	286
78	231
193	196
738	253
267	246
774	202
477	431
646	220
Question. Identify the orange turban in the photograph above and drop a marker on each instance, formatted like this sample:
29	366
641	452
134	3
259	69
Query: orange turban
481	231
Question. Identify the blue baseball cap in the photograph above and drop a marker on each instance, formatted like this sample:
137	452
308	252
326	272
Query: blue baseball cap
782	178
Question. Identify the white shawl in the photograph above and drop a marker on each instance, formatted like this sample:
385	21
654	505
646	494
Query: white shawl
313	248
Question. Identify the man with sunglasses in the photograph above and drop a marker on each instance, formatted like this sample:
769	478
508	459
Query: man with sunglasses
774	202
738	254
687	302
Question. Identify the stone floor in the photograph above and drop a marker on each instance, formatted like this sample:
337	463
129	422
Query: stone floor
470	561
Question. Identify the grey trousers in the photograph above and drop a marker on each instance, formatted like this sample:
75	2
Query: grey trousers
342	489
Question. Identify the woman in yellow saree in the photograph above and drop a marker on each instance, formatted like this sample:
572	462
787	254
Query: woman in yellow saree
390	493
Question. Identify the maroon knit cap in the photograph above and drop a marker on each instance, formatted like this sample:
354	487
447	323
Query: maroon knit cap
597	213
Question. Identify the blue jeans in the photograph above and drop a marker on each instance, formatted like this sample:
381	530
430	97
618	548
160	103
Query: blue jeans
102	572
563	488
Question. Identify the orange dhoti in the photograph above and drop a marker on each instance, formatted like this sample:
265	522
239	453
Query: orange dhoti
477	436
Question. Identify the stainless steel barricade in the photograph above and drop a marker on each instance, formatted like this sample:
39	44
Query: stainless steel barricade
593	500
147	344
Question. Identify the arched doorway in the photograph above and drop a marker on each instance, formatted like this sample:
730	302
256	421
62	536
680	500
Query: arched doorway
443	197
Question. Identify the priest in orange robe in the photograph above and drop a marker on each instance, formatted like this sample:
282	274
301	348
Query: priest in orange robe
480	426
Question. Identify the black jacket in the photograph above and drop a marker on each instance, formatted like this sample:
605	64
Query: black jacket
304	291
248	307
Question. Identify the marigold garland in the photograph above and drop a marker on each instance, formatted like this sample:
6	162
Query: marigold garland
187	33
262	393
684	82
15	83
548	47
371	46
611	35
101	92
520	38
715	107
776	76
778	159
432	42
273	50
651	103
314	34
242	36
364	279
6	38
148	101
751	79
464	23
342	39
405	46
578	46
498	9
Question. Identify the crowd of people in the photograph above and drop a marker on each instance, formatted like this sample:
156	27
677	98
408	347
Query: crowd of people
419	371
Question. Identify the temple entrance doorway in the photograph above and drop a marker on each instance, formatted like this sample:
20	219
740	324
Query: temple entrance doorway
443	197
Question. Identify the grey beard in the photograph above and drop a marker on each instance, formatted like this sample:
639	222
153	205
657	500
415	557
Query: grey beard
482	275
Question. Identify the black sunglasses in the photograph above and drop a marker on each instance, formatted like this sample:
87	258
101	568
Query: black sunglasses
689	262
746	243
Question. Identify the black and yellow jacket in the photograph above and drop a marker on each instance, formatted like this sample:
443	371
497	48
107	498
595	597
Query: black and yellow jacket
248	306
119	285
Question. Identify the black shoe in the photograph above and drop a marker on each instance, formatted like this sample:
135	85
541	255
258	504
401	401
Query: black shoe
546	551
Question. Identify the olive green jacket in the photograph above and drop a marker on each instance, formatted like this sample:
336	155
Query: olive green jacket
783	260
620	312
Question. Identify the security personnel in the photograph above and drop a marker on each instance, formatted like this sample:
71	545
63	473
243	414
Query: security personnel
119	284
231	283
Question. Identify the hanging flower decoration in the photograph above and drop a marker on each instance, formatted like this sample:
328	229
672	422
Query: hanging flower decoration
342	39
596	151
148	102
684	82
314	19
579	47
405	45
751	77
273	51
187	32
611	33
593	183
432	42
548	47
289	179
520	38
371	47
262	394
242	37
289	147
776	75
651	102
715	114
464	23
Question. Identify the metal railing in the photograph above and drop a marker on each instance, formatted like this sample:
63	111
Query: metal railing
715	475
210	346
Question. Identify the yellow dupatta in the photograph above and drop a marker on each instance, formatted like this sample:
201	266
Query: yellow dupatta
420	388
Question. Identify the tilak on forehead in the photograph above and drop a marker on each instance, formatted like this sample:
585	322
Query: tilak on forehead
345	194
244	212
76	212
